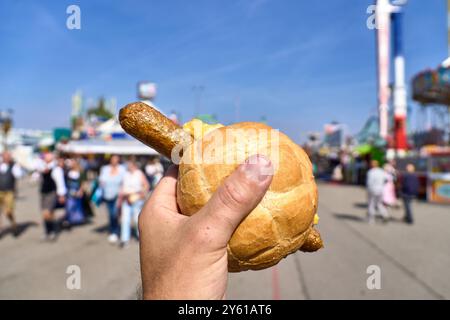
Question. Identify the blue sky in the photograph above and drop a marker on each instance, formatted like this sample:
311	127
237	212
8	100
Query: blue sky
299	63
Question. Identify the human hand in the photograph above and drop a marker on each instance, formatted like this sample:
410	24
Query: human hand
186	257
61	199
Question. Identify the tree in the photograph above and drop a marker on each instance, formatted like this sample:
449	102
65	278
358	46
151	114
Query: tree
100	111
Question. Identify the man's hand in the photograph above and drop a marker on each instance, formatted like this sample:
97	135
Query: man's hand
186	257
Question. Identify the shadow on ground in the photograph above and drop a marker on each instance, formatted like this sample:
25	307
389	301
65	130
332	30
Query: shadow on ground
63	226
361	205
102	229
21	228
350	217
357	218
105	229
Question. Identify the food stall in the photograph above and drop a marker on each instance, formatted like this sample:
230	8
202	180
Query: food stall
438	182
433	170
432	87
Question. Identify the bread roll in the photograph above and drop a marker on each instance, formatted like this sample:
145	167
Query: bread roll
281	224
283	221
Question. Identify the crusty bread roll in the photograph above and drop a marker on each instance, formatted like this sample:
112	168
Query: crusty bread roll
281	224
283	220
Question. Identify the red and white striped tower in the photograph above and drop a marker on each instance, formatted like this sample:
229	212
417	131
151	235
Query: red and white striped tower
383	26
400	141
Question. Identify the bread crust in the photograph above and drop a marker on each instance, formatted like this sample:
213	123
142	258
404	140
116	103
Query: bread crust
283	220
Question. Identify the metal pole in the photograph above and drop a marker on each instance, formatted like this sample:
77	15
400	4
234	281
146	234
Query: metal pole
5	145
198	93
448	26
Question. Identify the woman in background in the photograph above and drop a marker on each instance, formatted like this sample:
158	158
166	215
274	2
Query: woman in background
134	190
111	178
389	197
75	179
52	191
154	171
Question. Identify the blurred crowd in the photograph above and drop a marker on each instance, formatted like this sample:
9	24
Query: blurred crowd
386	187
77	186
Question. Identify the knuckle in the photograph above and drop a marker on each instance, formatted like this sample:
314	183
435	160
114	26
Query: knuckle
224	220
232	195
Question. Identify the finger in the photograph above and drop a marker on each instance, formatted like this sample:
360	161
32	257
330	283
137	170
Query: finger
238	195
165	193
161	207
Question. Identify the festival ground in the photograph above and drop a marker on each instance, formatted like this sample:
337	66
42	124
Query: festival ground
413	260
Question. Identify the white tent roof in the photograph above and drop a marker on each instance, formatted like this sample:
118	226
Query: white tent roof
110	126
446	63
121	147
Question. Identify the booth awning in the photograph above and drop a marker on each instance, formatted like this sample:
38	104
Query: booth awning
121	147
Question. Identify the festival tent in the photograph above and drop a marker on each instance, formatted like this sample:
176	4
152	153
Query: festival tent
375	152
98	146
111	128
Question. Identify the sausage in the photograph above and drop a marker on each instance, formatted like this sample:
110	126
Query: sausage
313	242
152	128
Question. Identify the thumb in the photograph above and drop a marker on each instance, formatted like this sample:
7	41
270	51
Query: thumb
238	195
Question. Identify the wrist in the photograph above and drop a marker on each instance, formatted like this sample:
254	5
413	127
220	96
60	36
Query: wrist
154	292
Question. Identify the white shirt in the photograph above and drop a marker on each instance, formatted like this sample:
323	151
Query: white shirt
57	175
376	179
132	182
111	183
16	170
154	169
72	174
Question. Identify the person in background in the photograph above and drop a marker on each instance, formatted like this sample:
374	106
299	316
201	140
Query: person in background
52	190
357	167
409	190
345	167
132	195
64	164
375	182
154	171
337	175
314	168
93	167
111	178
84	164
75	179
389	197
9	173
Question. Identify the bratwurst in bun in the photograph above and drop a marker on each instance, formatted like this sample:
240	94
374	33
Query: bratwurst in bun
282	223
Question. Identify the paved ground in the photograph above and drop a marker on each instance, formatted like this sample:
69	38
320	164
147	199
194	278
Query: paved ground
414	260
33	269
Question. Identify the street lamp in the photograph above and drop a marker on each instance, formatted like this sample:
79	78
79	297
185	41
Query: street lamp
6	124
